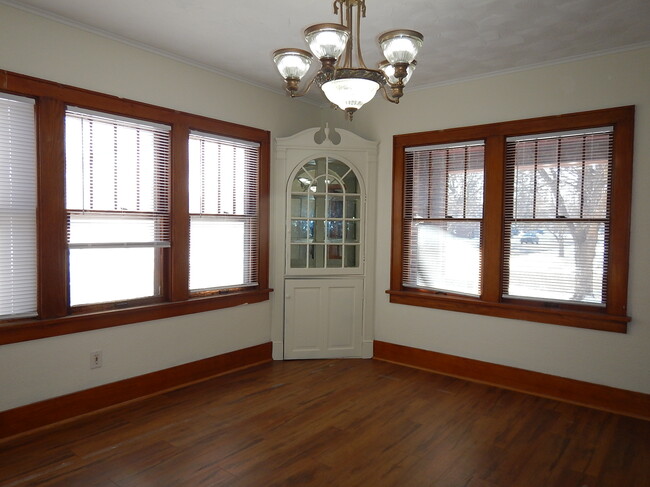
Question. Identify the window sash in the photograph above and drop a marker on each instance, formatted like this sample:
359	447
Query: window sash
18	273
222	252
443	209
117	197
97	269
224	212
557	207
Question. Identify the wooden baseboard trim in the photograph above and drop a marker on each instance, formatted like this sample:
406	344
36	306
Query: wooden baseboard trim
605	398
44	413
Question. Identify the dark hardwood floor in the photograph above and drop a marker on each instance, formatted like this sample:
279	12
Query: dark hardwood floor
335	423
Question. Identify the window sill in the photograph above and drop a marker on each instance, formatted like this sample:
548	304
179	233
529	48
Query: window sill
25	330
579	319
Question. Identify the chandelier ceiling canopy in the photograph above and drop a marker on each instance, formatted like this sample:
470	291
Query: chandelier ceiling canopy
343	76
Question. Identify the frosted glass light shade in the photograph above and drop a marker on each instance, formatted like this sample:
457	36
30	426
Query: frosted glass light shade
292	63
389	70
401	46
350	92
327	40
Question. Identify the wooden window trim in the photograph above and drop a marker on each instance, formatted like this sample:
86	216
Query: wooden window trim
24	330
55	316
613	317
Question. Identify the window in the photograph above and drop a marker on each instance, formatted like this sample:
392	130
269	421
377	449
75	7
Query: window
526	219
442	217
223	212
115	212
557	216
17	207
117	200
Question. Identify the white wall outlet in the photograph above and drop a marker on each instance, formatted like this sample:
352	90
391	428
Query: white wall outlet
95	359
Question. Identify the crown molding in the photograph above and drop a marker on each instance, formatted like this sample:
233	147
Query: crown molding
144	47
530	67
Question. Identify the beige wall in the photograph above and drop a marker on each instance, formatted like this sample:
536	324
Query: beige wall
600	357
35	46
39	47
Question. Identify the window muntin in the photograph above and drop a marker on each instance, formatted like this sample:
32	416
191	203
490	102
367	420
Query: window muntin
557	216
223	205
443	212
117	201
18	291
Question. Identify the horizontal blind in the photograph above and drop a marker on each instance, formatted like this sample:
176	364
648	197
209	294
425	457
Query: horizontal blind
117	181
17	207
223	203
443	210
557	216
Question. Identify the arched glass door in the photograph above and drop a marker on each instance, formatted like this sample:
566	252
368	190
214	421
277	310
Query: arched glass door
325	219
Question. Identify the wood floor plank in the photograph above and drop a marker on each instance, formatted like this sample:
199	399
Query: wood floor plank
107	467
335	422
192	466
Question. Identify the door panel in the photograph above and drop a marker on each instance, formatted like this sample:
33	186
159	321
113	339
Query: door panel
303	302
341	307
323	318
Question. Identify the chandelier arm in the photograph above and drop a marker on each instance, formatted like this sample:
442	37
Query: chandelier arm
298	94
387	97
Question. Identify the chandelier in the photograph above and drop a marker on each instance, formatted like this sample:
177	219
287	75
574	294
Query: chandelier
348	86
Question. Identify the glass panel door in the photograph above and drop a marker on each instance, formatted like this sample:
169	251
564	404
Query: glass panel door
325	216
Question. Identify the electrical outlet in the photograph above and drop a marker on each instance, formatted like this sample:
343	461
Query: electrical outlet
95	359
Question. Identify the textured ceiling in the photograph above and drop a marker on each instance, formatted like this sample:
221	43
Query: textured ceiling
463	38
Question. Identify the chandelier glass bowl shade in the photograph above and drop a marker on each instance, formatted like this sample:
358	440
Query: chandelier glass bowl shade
350	93
400	46
327	40
346	82
389	71
292	63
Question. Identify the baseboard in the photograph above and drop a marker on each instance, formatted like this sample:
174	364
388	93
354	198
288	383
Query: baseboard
50	411
605	398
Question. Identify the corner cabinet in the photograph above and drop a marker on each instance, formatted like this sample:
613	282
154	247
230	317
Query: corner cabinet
323	258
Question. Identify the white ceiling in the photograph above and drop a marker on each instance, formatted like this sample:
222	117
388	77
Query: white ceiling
462	38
